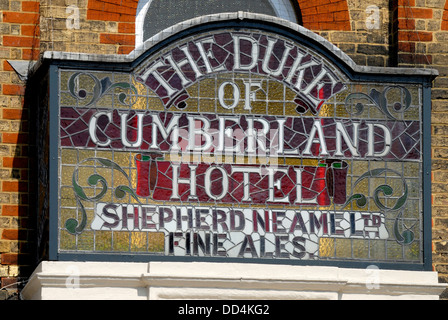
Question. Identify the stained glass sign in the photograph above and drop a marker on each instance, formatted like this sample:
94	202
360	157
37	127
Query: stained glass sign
240	144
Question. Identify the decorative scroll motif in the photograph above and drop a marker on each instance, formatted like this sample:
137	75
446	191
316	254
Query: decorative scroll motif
100	88
73	226
405	237
379	99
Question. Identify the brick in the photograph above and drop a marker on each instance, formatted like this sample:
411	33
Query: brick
15	138
117	39
326	8
14	210
9	258
12	114
126	18
14	186
129	3
30	54
31	31
376	61
309	11
441	153
126	27
372	49
24	174
20	41
5	53
406	24
439	94
437	48
414	36
406	47
10	282
111	7
437	106
15	162
410	58
342	26
422	13
86	37
444	25
415	13
4	4
4	151
7	66
125	49
341	16
101	15
21	17
14	234
5	246
441	246
439	188
30	6
406	3
13	89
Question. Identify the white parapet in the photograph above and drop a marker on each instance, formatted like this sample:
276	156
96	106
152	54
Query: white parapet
201	280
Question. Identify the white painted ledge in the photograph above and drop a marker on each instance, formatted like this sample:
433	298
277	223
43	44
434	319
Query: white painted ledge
178	280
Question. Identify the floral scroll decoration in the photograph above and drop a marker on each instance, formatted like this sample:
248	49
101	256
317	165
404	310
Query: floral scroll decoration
379	99
74	226
404	237
100	88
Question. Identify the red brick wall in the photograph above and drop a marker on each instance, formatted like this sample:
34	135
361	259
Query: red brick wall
444	24
118	11
411	19
317	15
19	39
325	14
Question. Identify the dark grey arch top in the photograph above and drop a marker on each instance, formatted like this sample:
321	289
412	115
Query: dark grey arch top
162	14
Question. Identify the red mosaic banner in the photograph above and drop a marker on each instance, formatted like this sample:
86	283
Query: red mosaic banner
250	184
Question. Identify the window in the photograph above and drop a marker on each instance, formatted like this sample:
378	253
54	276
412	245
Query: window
154	16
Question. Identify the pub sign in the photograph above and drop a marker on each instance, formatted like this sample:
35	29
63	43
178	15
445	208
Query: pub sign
240	141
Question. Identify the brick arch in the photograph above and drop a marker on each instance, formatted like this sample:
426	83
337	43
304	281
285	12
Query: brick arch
123	14
317	15
320	15
444	26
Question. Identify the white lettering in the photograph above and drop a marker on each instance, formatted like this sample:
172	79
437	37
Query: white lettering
251	95
351	144
237	53
386	140
205	55
196	129
317	128
246	172
208	184
236	95
153	71
177	180
267	58
92	128
275	184
124	129
172	126
299	198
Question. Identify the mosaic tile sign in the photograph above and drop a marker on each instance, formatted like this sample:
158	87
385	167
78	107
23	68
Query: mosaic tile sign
239	144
